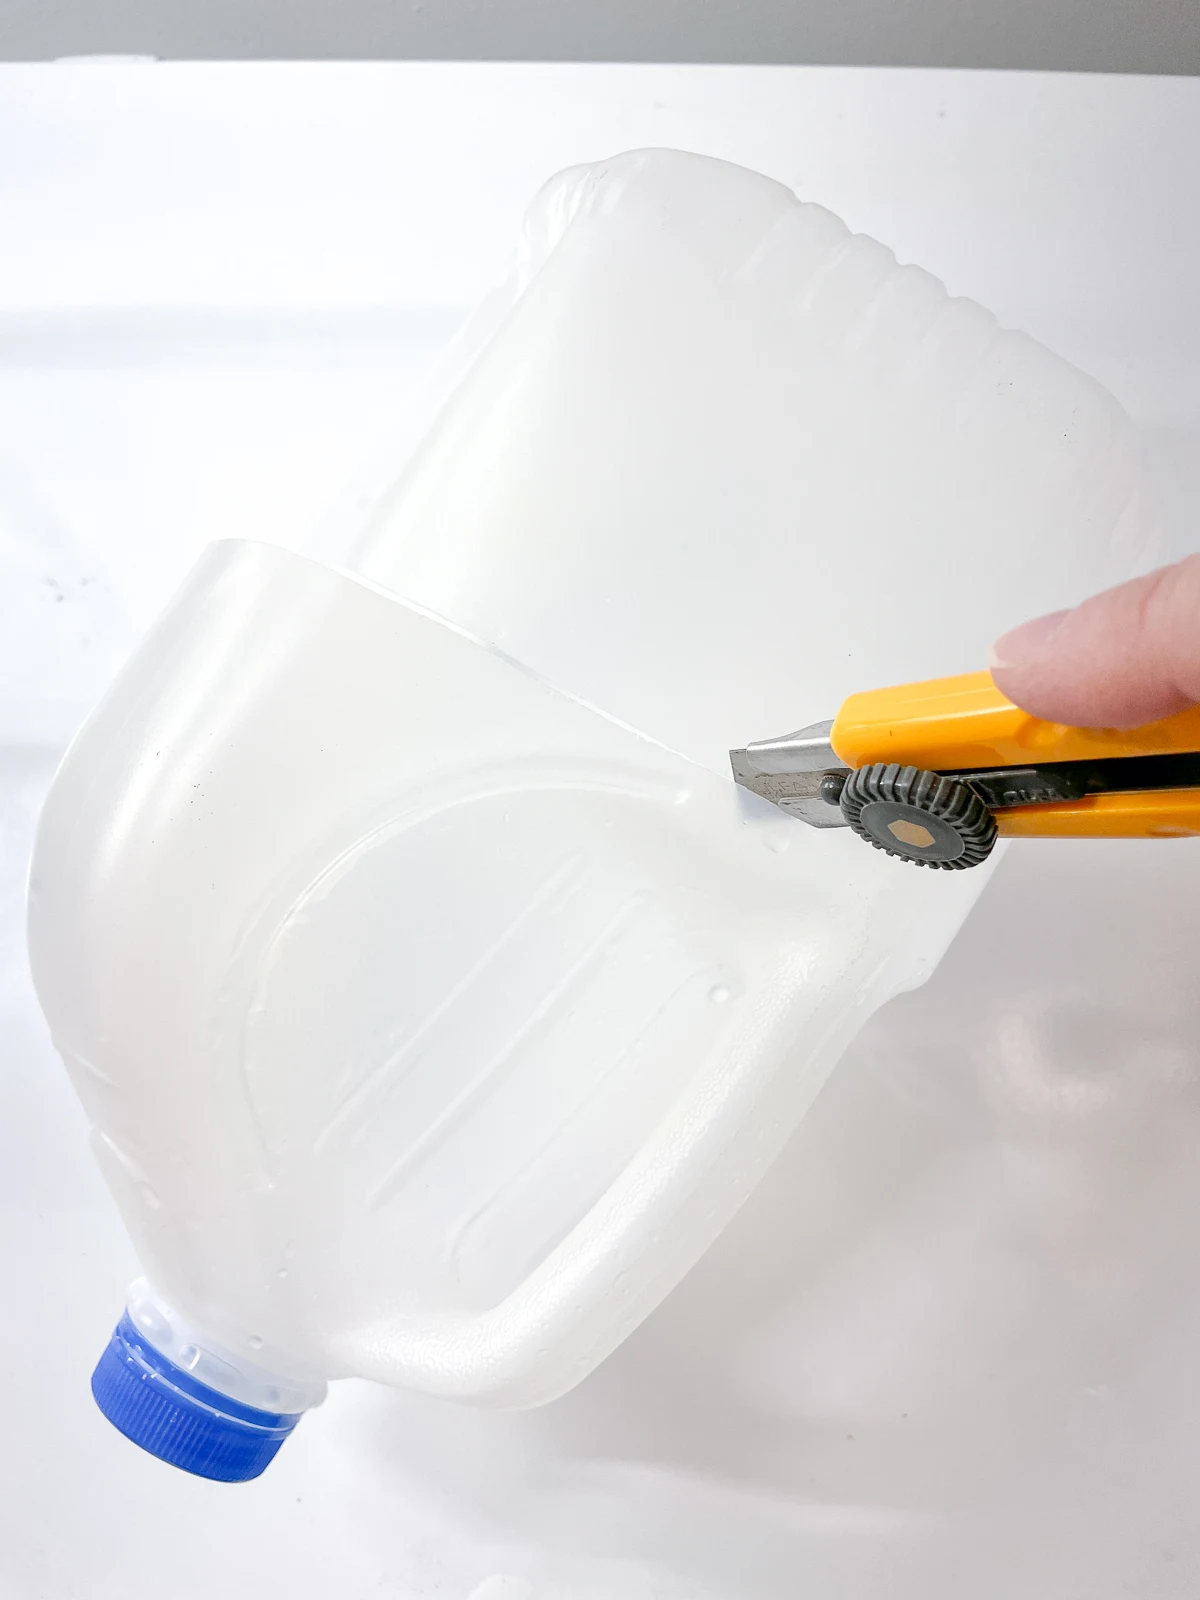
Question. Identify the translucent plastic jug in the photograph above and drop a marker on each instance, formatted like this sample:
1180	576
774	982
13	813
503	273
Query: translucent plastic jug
434	995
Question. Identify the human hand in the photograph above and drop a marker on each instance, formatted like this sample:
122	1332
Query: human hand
1123	658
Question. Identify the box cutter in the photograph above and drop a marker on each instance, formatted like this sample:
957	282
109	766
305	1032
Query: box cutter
935	772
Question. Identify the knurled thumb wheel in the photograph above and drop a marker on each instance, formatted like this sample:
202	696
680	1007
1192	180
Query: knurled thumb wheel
919	816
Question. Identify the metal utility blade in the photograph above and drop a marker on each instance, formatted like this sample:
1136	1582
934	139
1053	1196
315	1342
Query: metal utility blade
788	772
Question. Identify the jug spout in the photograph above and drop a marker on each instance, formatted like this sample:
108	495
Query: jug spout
188	1401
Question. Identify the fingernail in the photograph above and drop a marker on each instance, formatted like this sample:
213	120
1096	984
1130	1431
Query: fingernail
1027	642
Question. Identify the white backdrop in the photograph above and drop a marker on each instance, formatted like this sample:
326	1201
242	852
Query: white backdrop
951	1346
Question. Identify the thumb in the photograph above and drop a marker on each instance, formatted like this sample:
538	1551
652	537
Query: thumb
1123	658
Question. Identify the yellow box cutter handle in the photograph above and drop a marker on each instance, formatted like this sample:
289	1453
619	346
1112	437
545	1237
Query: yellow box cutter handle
965	724
935	772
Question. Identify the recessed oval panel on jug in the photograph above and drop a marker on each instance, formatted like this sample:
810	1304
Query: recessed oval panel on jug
510	1010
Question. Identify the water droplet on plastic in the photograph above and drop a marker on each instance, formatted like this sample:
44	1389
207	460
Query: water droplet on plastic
719	993
282	1273
255	1341
776	840
189	1356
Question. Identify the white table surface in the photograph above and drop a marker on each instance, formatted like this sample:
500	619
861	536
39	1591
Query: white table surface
952	1346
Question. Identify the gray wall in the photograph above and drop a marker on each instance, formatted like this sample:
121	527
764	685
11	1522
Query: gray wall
1080	35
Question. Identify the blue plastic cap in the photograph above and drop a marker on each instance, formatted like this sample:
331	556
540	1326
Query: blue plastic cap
165	1410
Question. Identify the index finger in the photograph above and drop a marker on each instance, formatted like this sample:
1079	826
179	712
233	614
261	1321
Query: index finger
1123	658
